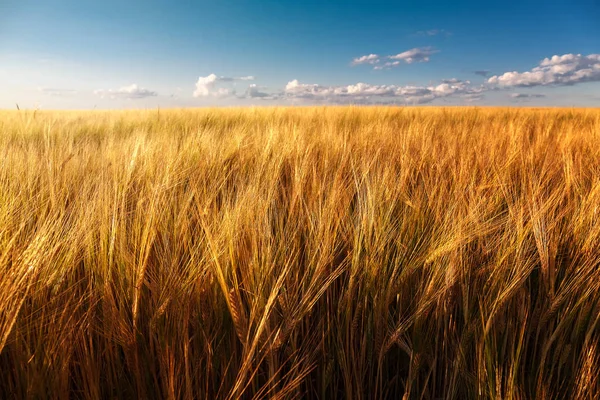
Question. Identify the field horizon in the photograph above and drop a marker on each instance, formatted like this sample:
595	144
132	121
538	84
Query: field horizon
295	107
300	252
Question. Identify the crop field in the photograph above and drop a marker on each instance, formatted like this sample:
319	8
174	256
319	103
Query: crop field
324	252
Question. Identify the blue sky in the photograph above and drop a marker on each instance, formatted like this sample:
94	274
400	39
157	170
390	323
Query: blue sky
138	54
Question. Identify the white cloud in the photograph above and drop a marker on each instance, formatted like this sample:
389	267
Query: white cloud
416	55
364	93
292	85
448	88
568	69
127	92
370	59
295	89
364	89
300	89
206	85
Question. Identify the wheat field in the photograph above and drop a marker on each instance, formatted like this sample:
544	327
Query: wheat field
326	252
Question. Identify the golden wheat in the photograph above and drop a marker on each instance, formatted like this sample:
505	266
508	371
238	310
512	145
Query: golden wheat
300	252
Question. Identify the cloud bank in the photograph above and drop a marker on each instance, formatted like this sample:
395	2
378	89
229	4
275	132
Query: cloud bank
568	69
363	93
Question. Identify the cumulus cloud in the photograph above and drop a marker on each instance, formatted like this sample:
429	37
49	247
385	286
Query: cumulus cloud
568	69
57	92
369	59
295	89
416	55
558	70
364	93
364	89
127	92
206	86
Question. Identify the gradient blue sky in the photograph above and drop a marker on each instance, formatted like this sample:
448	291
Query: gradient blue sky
136	54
